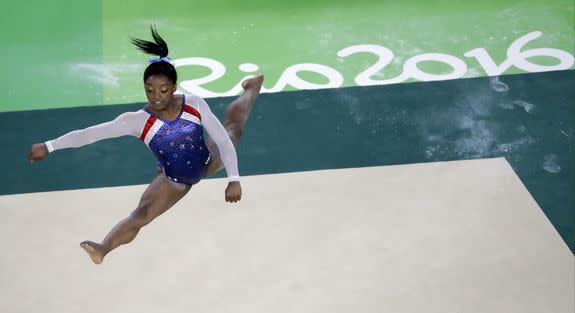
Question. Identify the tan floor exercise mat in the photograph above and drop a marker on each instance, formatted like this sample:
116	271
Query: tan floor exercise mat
462	236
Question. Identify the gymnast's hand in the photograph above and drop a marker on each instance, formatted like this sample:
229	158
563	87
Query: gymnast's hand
233	191
38	151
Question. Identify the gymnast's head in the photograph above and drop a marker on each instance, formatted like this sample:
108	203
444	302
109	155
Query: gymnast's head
160	75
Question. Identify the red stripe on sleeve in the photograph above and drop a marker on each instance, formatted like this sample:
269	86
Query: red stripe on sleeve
151	120
192	111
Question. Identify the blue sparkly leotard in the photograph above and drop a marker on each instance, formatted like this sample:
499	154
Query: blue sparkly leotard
178	145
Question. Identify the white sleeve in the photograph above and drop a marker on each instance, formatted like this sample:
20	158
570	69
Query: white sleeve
220	136
130	123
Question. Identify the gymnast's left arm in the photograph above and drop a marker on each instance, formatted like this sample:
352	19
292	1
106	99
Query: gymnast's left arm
218	133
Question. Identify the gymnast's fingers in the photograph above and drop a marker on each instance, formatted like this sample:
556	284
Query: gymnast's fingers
30	155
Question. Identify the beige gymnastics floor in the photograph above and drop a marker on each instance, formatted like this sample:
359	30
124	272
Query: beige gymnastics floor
460	236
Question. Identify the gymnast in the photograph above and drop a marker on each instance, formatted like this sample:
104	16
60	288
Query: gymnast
172	126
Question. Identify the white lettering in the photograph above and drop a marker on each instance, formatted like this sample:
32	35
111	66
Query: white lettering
515	57
411	69
193	85
290	77
519	59
385	57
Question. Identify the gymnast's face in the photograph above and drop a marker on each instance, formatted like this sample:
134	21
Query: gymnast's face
159	91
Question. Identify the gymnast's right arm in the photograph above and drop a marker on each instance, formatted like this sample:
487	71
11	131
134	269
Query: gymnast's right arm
129	123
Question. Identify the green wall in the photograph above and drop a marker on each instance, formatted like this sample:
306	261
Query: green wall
71	53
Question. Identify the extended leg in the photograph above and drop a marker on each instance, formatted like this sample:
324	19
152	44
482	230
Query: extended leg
161	195
236	116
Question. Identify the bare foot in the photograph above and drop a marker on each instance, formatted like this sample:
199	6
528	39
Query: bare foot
94	250
254	83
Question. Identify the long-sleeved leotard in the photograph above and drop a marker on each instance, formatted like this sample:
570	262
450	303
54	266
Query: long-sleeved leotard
178	145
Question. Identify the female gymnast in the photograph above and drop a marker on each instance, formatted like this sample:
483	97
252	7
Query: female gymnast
172	126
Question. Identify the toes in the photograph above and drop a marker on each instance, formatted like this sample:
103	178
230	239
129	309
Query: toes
253	82
93	251
88	245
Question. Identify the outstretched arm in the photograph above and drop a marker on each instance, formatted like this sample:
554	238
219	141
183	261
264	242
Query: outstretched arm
125	124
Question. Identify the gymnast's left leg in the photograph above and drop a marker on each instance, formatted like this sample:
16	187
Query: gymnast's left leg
160	196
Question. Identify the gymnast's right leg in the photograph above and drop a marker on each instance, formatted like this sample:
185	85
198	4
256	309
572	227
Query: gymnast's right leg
235	117
160	195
